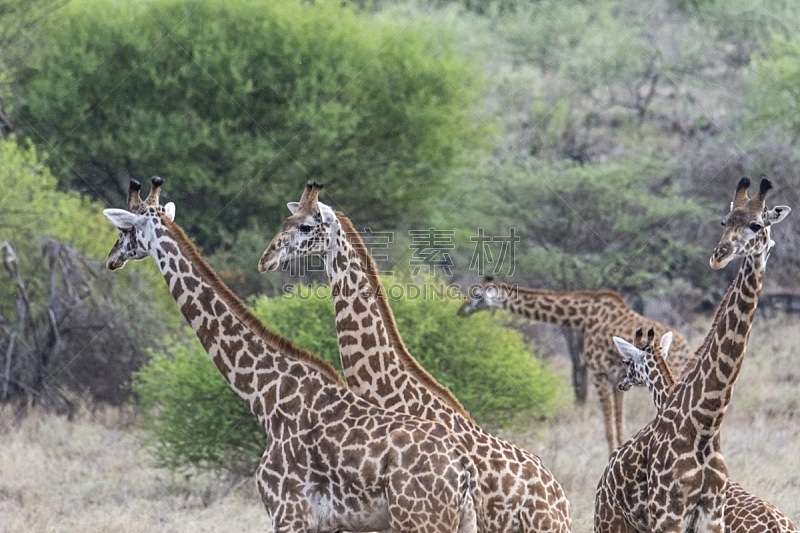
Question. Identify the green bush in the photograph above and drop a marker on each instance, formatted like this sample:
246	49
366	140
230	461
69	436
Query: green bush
239	103
484	363
31	207
194	419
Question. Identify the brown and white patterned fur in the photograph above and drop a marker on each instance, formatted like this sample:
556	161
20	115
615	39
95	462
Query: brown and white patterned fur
518	492
598	316
671	476
647	366
333	461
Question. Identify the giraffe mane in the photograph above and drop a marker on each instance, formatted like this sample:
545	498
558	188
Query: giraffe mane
409	363
533	292
253	323
664	369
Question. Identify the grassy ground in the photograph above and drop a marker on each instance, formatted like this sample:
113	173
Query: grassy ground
90	474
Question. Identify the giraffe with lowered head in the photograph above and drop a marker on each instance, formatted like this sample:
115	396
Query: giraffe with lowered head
671	476
647	366
333	462
518	492
598	316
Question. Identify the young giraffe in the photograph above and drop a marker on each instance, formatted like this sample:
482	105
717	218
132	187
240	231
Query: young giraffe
333	461
518	492
671	476
598	316
647	366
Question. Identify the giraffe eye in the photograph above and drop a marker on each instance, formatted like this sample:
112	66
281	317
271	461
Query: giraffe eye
304	228
755	227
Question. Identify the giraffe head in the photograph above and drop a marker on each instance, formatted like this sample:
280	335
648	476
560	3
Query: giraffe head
747	225
136	233
480	297
306	232
639	362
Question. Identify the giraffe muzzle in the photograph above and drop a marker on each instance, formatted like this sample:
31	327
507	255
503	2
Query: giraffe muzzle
270	260
722	255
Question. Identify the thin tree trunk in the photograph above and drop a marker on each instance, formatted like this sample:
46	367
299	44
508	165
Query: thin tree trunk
580	377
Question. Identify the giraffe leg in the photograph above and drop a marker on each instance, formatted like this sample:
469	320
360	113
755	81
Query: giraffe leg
606	396
619	414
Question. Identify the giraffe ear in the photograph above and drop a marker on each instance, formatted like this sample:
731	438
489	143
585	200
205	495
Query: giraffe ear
293	206
626	350
121	218
666	342
328	216
777	213
169	210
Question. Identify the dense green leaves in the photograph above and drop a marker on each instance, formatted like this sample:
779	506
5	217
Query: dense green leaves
485	364
238	103
31	207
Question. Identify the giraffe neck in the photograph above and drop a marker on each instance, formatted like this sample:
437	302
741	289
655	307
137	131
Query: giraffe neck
660	380
707	387
271	375
580	310
375	361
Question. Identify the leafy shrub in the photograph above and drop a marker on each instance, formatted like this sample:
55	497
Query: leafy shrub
484	363
194	419
238	103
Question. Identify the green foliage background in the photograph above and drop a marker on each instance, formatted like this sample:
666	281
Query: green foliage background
585	224
238	103
194	420
32	207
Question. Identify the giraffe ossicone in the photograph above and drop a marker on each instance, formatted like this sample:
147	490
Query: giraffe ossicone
333	462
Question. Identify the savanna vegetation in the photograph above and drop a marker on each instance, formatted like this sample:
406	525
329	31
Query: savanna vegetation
561	144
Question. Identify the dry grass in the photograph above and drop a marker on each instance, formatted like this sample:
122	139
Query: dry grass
90	475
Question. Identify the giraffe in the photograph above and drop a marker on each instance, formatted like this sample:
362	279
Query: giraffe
598	316
671	476
332	461
518	491
647	366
